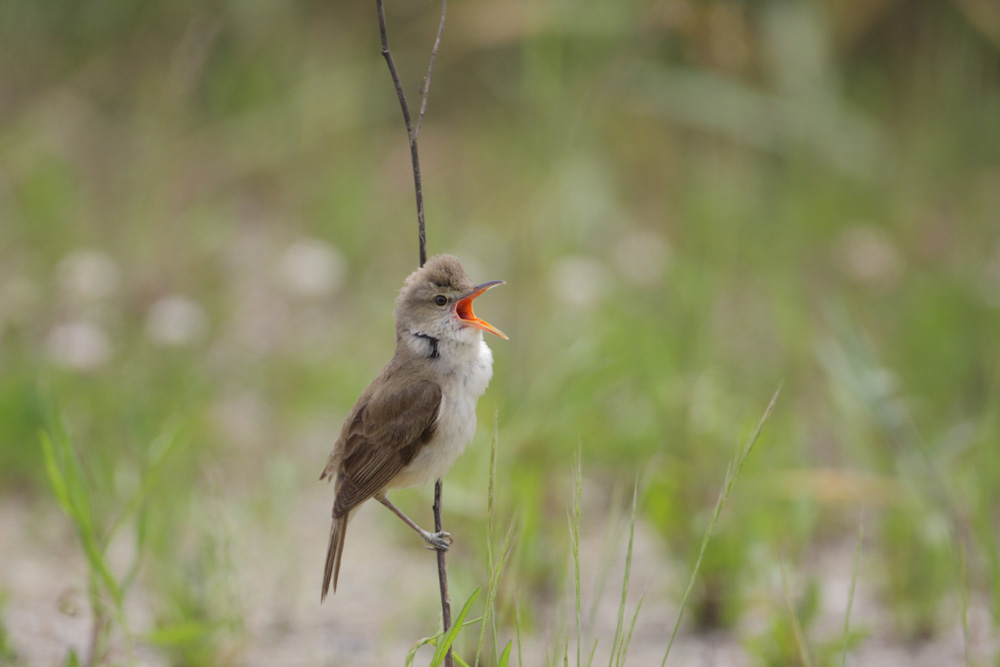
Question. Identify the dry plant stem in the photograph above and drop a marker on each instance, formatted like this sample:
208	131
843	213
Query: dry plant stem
422	241
410	132
425	87
442	570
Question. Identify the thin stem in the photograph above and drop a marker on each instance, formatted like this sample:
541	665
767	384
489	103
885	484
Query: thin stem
735	465
850	593
426	85
412	133
414	154
442	572
800	639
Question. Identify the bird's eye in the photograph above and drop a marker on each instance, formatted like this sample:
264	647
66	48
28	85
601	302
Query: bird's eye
440	299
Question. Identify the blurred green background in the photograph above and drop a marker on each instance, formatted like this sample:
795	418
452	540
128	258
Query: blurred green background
206	209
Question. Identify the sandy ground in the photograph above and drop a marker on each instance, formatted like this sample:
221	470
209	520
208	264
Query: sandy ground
388	598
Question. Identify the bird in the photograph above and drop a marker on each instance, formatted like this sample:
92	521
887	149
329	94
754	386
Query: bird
416	417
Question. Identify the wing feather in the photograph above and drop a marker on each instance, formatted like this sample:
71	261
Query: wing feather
383	437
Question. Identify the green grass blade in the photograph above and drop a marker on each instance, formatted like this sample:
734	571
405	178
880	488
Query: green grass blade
504	660
433	641
631	628
489	533
612	533
452	634
72	659
69	484
574	531
732	473
850	592
54	473
496	564
162	450
800	640
412	654
517	631
618	639
963	590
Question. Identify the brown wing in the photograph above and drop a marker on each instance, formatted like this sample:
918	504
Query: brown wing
384	436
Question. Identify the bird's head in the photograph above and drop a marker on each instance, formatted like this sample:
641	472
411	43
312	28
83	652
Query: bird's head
436	301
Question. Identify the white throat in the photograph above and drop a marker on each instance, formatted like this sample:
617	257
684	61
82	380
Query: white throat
463	368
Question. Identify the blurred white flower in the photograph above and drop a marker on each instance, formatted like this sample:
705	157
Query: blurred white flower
641	256
78	345
311	268
867	256
579	281
175	320
88	274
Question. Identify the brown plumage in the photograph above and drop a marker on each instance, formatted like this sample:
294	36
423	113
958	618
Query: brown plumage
397	434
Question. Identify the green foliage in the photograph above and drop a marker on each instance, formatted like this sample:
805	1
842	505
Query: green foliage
496	561
920	569
442	641
850	595
732	473
100	515
790	636
72	489
689	201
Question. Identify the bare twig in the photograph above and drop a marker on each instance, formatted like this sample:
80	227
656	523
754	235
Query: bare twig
412	133
414	154
425	87
442	570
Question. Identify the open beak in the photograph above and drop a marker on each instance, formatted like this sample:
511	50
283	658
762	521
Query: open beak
463	309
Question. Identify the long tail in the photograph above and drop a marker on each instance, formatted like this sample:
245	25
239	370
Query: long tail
338	530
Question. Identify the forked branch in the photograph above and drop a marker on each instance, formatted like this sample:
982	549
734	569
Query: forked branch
412	133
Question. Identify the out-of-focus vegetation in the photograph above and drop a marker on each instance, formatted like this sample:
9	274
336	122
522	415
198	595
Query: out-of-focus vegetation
206	210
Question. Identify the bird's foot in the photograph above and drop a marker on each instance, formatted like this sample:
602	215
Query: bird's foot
438	541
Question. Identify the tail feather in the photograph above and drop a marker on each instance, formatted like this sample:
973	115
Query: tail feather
338	530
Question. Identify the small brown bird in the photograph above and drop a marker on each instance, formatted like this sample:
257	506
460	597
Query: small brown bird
416	417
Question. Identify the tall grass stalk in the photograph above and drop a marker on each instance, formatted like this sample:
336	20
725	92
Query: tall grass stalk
963	591
574	531
72	488
618	644
593	652
850	592
517	631
631	628
495	562
612	537
732	472
489	533
800	640
69	484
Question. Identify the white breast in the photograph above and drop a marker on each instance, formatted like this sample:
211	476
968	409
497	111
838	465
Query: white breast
465	373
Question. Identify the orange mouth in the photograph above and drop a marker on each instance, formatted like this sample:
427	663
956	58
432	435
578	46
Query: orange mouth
463	309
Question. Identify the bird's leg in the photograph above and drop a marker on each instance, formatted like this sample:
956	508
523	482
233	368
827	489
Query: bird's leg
439	541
